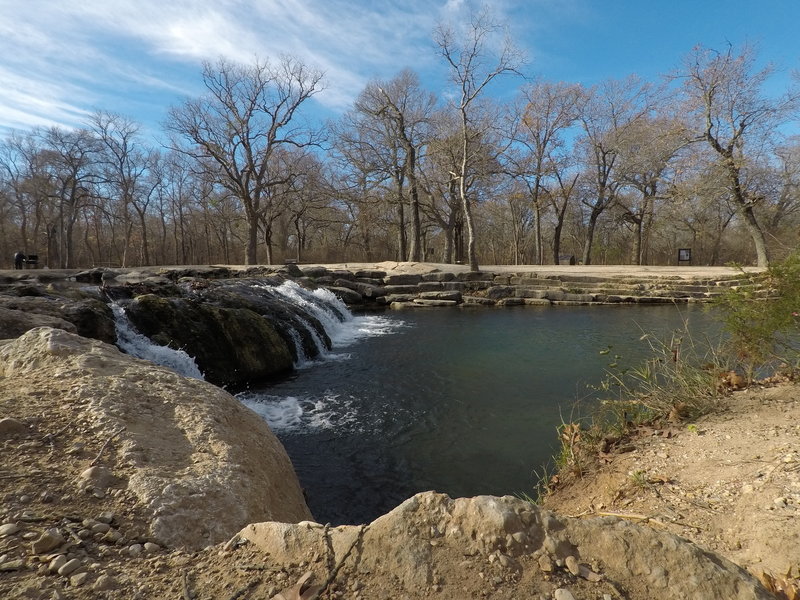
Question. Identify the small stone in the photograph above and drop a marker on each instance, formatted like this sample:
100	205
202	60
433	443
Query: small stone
49	540
11	427
151	547
563	594
13	565
24	498
101	528
106	517
104	583
135	550
545	564
98	478
572	565
79	579
780	502
58	562
588	574
46	497
112	536
69	567
8	529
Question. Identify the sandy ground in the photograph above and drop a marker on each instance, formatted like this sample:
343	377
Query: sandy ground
729	482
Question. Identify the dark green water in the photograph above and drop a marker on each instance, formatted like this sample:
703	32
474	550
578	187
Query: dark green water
460	401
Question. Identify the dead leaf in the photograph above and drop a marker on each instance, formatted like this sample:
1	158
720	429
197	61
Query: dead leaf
302	590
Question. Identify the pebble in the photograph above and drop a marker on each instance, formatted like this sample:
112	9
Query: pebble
49	540
545	564
134	550
151	547
13	565
112	536
572	565
563	594
101	528
105	582
58	562
9	529
79	579
779	502
69	567
106	517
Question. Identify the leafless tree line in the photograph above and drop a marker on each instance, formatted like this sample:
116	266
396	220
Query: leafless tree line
627	171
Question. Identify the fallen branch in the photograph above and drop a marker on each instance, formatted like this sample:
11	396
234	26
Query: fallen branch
105	445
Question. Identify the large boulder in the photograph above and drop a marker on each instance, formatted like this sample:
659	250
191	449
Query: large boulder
198	462
433	542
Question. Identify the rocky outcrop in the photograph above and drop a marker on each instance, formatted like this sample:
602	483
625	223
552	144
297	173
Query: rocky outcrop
199	463
456	547
485	288
23	307
230	345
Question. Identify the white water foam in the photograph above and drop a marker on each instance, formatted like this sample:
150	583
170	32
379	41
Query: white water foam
342	327
134	343
290	414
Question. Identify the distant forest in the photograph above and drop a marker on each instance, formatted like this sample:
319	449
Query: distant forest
623	172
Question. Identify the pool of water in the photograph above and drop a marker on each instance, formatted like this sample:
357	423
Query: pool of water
464	402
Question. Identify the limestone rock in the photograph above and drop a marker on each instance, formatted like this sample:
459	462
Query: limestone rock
201	463
407	542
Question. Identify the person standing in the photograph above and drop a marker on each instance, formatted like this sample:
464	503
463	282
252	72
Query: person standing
19	259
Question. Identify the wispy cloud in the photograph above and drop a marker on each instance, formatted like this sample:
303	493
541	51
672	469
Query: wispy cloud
67	58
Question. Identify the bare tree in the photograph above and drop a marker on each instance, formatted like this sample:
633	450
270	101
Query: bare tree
611	109
545	111
406	109
249	112
732	114
473	67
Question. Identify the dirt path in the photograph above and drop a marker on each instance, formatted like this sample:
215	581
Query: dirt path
730	482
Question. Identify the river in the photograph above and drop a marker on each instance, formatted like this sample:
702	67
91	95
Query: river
464	402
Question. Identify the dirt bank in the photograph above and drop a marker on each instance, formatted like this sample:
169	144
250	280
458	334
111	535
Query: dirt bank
729	482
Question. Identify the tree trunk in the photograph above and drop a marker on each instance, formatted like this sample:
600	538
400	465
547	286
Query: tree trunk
252	241
754	229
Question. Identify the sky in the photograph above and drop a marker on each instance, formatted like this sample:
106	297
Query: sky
61	60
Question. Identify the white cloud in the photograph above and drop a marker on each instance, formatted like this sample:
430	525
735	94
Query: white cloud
72	52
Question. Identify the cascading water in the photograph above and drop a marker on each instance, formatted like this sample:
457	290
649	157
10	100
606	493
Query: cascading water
296	413
134	343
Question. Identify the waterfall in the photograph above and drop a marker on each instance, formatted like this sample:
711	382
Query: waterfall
134	343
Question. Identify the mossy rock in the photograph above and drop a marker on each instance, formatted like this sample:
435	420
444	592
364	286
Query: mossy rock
231	346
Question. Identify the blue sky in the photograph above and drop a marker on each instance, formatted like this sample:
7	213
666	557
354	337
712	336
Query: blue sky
61	60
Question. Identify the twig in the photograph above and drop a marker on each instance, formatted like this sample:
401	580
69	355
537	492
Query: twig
105	445
187	593
335	571
244	590
50	437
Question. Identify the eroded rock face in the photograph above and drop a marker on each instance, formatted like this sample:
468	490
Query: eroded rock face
431	540
202	463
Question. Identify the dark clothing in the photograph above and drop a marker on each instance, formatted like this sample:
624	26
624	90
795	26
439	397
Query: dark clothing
19	259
